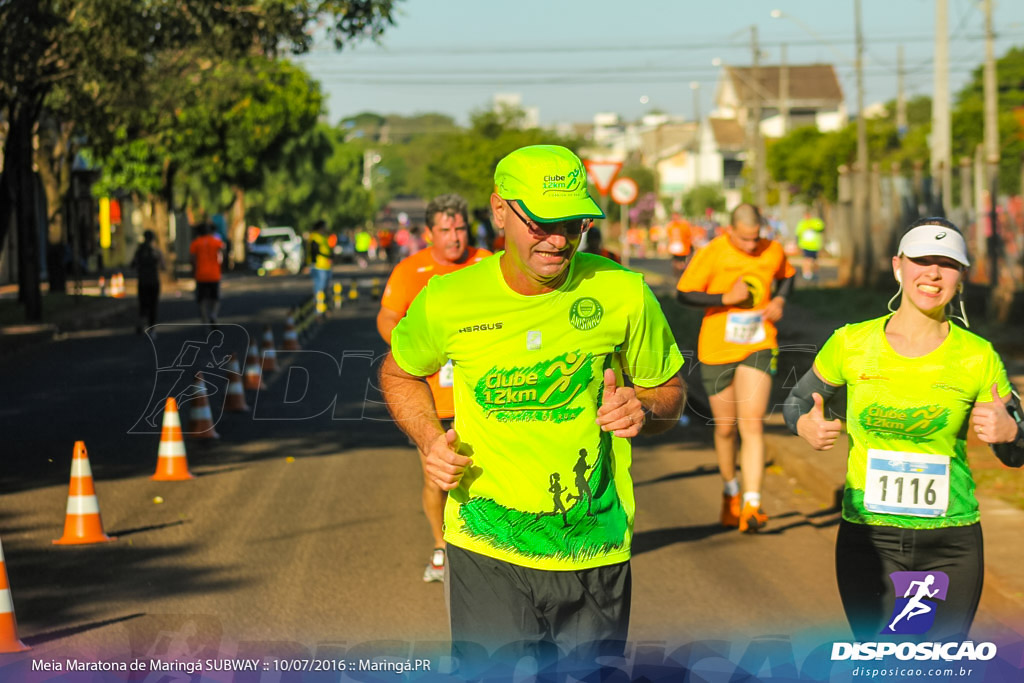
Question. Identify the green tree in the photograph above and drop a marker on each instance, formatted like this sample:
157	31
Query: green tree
699	199
83	58
969	117
235	123
319	177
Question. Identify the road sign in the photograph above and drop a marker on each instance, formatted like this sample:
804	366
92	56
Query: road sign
624	191
602	173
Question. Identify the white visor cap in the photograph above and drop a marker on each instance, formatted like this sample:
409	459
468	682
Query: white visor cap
935	240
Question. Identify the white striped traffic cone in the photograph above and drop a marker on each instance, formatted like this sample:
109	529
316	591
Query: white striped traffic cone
200	418
171	462
9	641
235	401
82	524
253	377
290	339
267	349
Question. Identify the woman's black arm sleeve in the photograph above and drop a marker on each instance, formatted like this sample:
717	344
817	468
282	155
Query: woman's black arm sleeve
1012	454
785	287
699	299
800	400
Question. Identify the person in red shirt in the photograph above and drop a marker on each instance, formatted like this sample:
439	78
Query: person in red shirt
207	255
447	226
742	281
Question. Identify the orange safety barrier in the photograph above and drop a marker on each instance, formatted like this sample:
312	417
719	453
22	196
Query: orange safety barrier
171	462
82	523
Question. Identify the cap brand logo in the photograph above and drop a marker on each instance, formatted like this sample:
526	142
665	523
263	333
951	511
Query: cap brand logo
940	235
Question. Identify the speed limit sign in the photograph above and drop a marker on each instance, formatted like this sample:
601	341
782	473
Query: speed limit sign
624	191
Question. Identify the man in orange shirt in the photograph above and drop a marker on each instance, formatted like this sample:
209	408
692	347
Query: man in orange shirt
207	255
680	243
447	227
732	278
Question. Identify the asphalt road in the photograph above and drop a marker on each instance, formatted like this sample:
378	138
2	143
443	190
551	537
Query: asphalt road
302	531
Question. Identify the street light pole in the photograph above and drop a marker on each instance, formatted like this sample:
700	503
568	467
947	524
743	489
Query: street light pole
942	144
991	141
758	139
861	222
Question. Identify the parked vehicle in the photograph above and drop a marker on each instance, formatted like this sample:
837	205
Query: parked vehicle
345	249
277	248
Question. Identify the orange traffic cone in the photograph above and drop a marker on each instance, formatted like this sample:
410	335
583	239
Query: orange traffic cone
200	418
235	401
253	378
117	285
171	463
82	524
267	349
290	340
8	625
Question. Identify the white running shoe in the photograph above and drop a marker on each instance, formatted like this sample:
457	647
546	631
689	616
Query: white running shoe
435	570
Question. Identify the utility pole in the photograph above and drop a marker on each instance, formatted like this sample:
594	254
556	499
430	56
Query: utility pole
784	111
784	89
901	95
861	255
758	140
991	139
698	144
942	140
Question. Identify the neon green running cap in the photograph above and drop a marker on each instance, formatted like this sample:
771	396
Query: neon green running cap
548	181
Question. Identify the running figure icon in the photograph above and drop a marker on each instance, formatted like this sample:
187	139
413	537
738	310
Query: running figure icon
916	606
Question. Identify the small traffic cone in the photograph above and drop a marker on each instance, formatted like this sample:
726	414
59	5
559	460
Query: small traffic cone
200	418
8	624
337	295
117	285
235	401
290	340
253	377
267	349
171	463
82	524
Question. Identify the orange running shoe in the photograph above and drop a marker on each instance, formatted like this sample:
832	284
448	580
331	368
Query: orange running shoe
752	519
730	510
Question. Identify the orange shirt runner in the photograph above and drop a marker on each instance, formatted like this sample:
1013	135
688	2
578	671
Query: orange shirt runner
208	251
406	281
728	334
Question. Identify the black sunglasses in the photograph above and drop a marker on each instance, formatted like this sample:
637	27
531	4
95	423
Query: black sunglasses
572	228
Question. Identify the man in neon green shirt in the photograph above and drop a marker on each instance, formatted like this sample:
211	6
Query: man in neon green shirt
540	512
810	237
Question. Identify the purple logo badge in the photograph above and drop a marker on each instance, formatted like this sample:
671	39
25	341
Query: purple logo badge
916	593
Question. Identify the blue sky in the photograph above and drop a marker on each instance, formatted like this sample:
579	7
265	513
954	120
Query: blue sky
573	59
